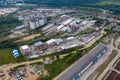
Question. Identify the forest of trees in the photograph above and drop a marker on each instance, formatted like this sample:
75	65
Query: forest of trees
62	2
68	2
115	8
7	23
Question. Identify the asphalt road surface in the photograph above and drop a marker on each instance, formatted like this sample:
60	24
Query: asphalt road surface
80	64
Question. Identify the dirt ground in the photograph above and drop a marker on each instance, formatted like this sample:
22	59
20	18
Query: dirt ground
28	37
32	77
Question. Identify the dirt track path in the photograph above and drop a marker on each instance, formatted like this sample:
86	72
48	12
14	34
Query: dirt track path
8	67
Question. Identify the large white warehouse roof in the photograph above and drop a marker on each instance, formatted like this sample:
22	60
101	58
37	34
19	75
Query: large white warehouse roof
67	21
59	27
51	41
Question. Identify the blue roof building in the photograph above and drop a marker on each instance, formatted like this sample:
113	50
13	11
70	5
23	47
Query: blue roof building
15	53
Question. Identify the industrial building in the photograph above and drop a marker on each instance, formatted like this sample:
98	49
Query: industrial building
36	22
25	49
68	47
65	23
53	42
71	25
40	45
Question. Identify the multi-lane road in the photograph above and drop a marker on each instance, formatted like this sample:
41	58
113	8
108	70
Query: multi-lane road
71	72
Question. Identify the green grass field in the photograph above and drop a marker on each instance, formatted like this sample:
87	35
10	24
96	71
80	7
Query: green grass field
87	31
6	57
119	46
109	3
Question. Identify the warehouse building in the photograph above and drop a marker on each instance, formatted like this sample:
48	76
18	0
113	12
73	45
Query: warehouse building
53	42
68	47
40	45
25	49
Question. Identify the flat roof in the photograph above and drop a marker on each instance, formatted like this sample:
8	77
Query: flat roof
70	38
67	21
59	27
24	47
50	41
38	43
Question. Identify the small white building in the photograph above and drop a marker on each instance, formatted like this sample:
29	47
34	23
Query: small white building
70	38
68	47
25	49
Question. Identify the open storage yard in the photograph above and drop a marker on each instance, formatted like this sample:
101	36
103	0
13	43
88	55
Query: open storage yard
115	73
117	67
113	76
30	37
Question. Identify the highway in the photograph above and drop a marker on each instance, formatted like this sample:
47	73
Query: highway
80	64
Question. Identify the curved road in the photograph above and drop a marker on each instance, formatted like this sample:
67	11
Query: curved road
8	67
